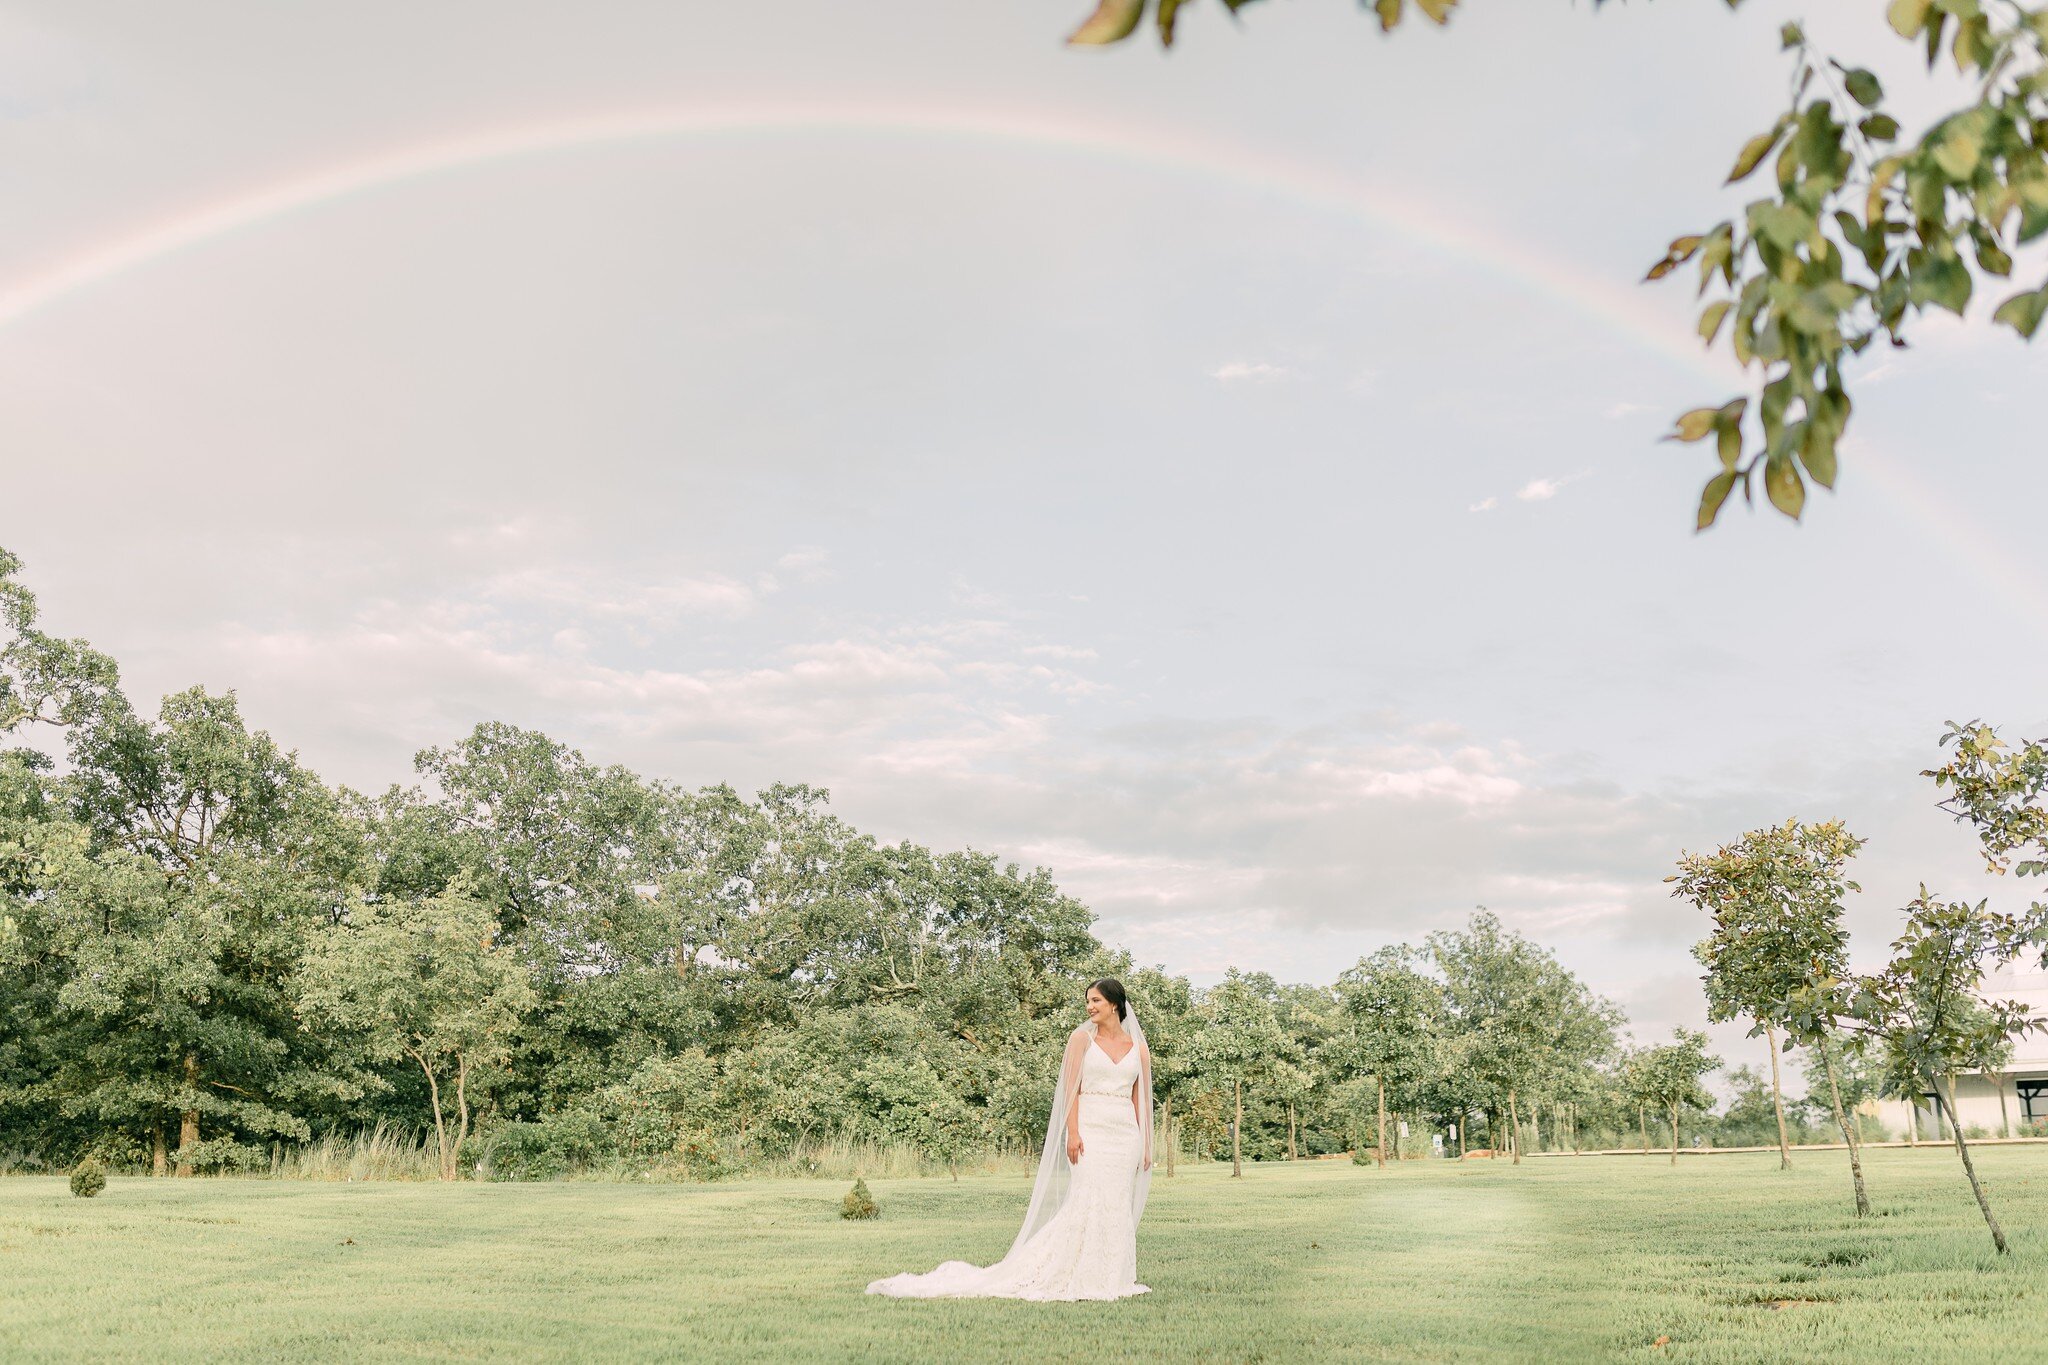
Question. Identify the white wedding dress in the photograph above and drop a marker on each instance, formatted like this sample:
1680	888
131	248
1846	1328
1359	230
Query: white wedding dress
1089	1247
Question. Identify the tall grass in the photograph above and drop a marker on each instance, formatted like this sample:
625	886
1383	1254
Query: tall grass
380	1153
387	1153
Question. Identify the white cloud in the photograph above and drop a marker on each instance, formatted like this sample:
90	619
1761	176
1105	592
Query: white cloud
1543	490
1484	505
1235	370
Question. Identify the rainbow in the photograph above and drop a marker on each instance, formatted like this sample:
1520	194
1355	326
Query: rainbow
1388	208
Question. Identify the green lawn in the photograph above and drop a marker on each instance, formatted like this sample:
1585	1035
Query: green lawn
1560	1259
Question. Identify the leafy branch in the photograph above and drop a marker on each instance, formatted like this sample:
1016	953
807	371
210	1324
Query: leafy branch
1854	239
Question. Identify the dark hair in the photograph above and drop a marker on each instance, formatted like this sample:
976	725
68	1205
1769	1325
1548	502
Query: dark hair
1112	990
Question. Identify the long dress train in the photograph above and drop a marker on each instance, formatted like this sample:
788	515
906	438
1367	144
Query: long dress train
1089	1249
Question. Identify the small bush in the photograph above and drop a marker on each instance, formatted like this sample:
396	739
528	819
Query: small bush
88	1178
859	1203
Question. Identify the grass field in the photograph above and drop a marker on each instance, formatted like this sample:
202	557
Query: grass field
1560	1259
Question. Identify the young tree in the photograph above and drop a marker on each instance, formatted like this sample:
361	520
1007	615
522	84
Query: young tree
1390	1012
1849	238
1779	949
1670	1077
425	980
1924	1012
1239	1043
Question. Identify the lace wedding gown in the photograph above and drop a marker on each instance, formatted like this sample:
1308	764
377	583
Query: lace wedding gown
1089	1250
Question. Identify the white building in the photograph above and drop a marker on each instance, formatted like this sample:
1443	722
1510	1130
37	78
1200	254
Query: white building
2023	1083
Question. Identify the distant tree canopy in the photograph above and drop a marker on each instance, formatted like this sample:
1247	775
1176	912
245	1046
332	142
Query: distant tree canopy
1857	231
534	961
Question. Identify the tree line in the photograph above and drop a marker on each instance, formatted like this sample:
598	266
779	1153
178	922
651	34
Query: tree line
208	952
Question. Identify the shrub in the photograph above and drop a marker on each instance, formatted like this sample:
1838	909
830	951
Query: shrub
859	1203
548	1149
88	1178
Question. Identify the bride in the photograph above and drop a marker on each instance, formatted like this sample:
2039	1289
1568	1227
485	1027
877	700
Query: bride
1080	1233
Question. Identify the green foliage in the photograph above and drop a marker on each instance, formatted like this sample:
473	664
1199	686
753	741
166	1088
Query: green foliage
2000	791
1923	1012
1856	233
1779	949
88	1178
858	1203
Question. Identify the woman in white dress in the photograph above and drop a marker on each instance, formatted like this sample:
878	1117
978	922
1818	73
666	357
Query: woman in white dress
1080	1234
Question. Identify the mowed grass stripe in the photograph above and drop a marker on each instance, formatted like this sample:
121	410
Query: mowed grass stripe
1562	1259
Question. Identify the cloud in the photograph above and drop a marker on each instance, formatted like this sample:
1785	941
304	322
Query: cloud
1236	370
1484	505
1625	409
1543	490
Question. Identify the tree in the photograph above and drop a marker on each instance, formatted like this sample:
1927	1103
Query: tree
426	980
1923	1010
1779	949
1520	1018
1390	1013
1857	232
1238	1044
1670	1076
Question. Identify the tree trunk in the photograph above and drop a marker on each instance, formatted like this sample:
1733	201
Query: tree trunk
1849	1139
462	1105
1535	1129
1643	1126
1674	1135
2004	1116
159	1165
1912	1120
1381	1083
1970	1169
188	1122
1237	1133
1778	1102
1514	1127
440	1123
1172	1138
1293	1153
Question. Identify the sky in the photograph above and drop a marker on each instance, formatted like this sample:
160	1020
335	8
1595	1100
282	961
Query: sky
1229	478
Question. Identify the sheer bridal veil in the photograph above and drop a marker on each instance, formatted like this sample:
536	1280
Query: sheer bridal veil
1055	1172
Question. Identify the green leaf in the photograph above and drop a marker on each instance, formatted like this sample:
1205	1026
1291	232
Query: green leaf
1784	487
1438	10
2023	312
1753	152
1791	36
1973	43
1863	88
1818	455
1711	319
1112	22
1694	425
1716	493
1908	17
1959	151
1784	225
1879	127
1389	12
1729	445
1943	281
1169	10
